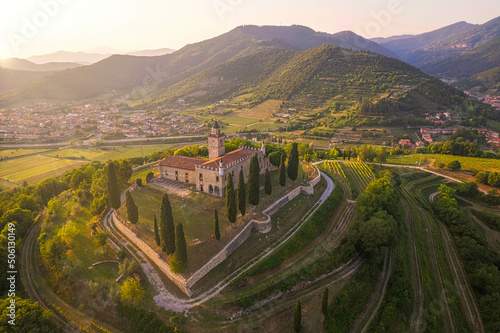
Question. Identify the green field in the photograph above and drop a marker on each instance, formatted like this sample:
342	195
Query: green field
7	153
468	163
35	168
105	154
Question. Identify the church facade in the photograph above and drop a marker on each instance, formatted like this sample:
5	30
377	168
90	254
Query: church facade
210	176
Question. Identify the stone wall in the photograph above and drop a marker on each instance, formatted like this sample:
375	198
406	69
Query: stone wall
261	226
152	255
222	255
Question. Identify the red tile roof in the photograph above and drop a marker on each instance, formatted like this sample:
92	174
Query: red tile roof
181	162
231	157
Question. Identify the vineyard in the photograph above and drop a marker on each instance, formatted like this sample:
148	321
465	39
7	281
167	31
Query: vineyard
357	174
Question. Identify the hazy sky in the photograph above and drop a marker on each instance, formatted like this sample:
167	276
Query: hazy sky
29	27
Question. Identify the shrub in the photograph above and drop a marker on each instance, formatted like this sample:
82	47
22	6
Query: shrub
454	165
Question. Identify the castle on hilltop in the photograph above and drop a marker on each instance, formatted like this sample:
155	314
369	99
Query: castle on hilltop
210	176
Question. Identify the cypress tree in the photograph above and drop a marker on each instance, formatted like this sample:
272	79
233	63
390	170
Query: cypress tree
253	181
282	171
167	229
324	305
268	186
216	224
297	317
180	244
132	210
113	191
293	162
231	209
241	193
157	235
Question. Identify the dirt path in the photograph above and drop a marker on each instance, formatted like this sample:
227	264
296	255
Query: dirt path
265	309
418	303
459	277
363	321
27	256
164	298
433	259
492	236
467	298
224	283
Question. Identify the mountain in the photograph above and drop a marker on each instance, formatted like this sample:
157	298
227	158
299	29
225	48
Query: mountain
26	65
405	45
316	77
103	49
66	56
140	76
306	38
151	53
421	50
479	59
487	82
11	78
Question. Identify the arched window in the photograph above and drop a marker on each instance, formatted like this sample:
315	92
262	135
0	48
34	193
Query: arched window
210	189
216	190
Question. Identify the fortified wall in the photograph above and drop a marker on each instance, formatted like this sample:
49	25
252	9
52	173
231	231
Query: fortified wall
261	226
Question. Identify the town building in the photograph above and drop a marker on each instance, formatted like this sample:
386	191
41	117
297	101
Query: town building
210	176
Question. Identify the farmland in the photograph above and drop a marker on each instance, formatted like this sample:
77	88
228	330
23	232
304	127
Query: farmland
8	153
105	154
357	174
468	163
33	169
43	163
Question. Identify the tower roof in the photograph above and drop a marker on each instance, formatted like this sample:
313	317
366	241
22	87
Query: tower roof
216	125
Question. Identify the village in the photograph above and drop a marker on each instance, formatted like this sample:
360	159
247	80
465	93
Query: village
48	122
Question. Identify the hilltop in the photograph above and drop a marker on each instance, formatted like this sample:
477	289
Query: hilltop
122	74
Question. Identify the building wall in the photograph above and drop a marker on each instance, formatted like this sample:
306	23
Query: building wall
181	174
211	177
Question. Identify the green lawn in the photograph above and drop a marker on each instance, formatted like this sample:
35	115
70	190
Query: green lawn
105	154
6	153
195	212
35	168
468	163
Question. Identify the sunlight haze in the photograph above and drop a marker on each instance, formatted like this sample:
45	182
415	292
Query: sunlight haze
36	27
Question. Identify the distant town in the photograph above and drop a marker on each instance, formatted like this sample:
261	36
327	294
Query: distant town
47	122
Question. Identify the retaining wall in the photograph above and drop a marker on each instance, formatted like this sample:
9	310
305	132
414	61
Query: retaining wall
261	226
152	255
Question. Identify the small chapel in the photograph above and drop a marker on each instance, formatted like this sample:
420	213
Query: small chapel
210	176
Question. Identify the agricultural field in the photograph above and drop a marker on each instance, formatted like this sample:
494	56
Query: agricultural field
357	174
260	117
468	163
104	154
8	153
33	169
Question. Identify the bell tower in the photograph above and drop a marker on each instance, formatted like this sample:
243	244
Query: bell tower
216	142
